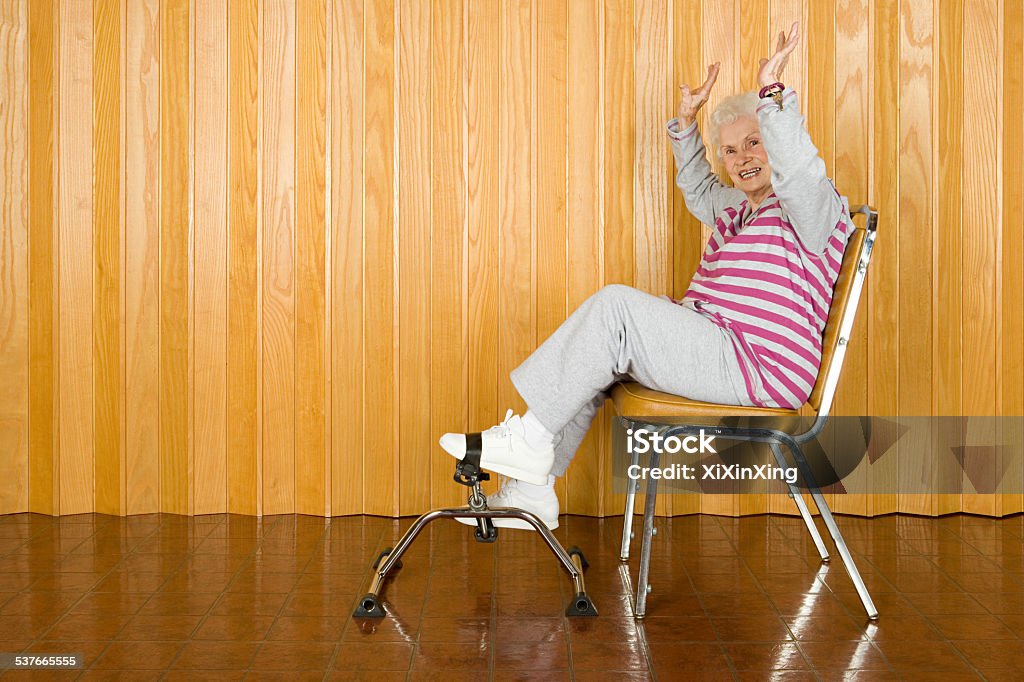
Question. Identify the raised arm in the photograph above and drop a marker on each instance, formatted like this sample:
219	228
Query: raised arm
799	179
705	195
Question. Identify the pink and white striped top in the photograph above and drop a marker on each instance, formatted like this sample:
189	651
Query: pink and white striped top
761	283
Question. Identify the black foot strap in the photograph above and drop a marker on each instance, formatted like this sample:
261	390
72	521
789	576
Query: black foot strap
467	471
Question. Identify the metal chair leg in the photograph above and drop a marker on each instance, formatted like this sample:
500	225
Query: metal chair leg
643	584
801	506
844	553
837	536
627	517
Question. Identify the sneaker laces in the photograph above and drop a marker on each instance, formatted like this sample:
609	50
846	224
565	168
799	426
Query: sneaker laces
507	484
504	428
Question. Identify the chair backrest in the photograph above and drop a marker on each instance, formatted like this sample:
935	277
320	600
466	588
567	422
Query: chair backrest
845	300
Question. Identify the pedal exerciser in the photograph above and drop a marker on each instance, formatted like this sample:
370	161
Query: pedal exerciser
468	473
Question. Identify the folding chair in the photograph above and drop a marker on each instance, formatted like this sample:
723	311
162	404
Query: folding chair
633	399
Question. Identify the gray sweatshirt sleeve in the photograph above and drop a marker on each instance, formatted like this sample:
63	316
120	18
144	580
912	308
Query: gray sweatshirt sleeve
805	193
704	193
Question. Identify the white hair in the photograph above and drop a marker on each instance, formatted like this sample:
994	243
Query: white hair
729	110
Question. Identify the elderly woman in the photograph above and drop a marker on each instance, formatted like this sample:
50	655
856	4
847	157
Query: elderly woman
747	332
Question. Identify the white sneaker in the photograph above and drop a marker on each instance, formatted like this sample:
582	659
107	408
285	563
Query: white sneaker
511	495
505	451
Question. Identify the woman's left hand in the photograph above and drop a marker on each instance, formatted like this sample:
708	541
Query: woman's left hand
772	68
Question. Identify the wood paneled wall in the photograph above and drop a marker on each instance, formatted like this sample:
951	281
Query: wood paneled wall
257	255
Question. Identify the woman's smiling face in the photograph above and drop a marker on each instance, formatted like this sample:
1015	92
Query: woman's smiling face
745	159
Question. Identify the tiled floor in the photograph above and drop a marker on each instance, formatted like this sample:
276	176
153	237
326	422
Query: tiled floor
228	597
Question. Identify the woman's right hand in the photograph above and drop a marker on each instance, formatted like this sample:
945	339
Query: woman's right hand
690	102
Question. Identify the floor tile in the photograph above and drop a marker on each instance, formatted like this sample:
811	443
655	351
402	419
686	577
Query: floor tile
216	655
365	656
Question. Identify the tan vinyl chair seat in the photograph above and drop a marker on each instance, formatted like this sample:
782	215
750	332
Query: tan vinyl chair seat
636	400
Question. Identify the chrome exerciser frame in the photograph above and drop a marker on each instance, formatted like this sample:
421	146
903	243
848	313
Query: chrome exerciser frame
468	473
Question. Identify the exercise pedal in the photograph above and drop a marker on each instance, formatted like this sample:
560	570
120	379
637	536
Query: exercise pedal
468	473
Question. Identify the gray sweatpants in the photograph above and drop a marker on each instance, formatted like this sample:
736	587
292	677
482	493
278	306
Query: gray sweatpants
621	333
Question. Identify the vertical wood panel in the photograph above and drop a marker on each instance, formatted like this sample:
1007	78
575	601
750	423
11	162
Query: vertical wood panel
43	84
718	44
584	219
947	398
619	142
175	226
883	306
1012	257
277	196
107	231
142	257
515	336
448	224
14	321
75	414
915	219
347	173
820	93
190	369
1012	254
209	398
687	235
550	114
242	341
122	359
328	266
310	286
416	438
948	305
756	41
982	211
483	30
550	207
652	153
380	450
782	15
